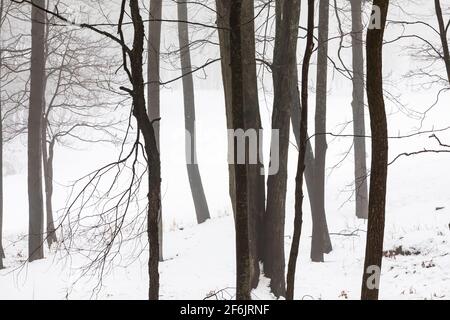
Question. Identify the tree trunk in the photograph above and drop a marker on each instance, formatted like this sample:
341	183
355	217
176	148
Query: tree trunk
319	217
2	252
47	157
359	127
195	180
35	201
443	34
154	45
298	220
284	66
48	182
243	281
151	148
309	167
255	172
223	17
378	176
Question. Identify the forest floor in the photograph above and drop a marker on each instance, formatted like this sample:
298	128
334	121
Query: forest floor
200	260
199	263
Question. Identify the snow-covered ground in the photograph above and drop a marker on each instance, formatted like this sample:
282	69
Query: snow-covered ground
199	260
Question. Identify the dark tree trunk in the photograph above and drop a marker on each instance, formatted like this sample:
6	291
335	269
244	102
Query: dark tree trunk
359	126
443	34
256	179
319	217
151	148
47	157
153	74
48	182
195	180
284	68
223	17
35	201
309	167
298	220
2	252
255	171
378	176
243	281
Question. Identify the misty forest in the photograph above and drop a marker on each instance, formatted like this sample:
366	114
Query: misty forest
225	149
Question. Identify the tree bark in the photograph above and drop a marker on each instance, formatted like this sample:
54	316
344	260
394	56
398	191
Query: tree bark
151	148
47	158
223	17
243	281
298	220
378	176
319	217
309	167
35	201
359	126
154	46
255	172
284	68
195	180
443	34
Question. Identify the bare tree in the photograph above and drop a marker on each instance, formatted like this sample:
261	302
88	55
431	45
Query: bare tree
378	176
316	207
298	220
37	88
14	85
15	74
195	181
47	155
443	31
47	158
319	216
321	239
284	66
145	126
133	67
434	52
359	127
223	17
255	171
77	83
256	178
243	280
153	74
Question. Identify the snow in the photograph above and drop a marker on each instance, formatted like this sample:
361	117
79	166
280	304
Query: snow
200	259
